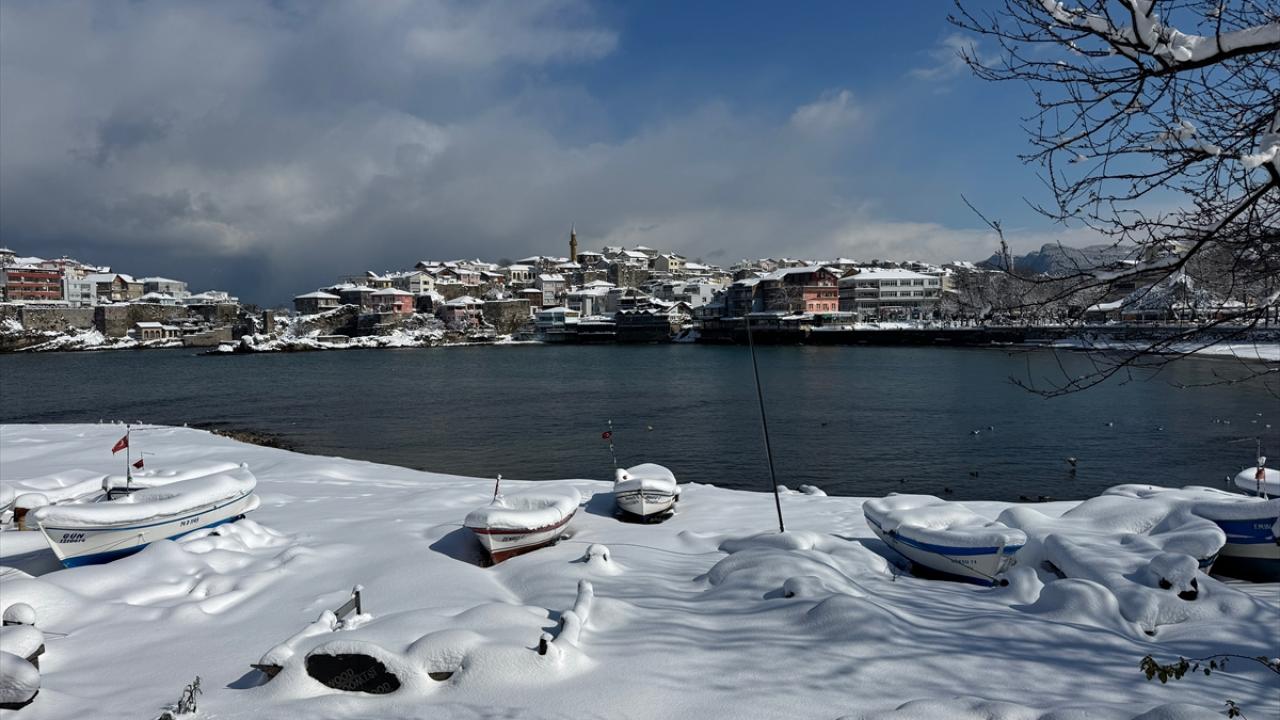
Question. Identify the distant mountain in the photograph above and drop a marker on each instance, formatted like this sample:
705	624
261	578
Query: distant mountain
1053	259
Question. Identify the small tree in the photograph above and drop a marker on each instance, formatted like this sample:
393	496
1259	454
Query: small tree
1157	126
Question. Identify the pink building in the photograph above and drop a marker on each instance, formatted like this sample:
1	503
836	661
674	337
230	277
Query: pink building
393	300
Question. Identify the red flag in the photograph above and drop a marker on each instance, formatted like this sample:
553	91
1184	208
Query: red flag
606	434
1261	475
121	444
138	464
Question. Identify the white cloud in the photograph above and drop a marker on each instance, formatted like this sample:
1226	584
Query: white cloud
947	59
832	112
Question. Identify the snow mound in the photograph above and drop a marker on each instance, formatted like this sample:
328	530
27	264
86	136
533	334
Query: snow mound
525	511
1144	551
61	486
19	679
149	504
939	522
645	476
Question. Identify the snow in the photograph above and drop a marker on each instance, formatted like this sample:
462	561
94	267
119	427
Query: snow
525	511
1130	542
21	640
153	503
20	613
646	476
709	614
19	680
936	521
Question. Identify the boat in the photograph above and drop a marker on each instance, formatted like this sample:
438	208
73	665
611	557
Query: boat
645	492
517	524
1259	480
95	532
1251	525
945	539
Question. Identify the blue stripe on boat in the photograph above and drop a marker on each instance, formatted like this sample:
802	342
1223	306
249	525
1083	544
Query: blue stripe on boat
103	557
946	549
1248	532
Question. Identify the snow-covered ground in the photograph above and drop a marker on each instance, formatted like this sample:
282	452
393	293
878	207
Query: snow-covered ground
712	614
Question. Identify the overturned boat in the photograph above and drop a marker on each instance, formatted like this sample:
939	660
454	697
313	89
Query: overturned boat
945	538
517	524
647	492
86	533
1260	480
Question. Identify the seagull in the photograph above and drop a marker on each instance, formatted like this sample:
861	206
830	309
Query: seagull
991	427
650	427
975	432
973	473
1071	461
1110	424
946	491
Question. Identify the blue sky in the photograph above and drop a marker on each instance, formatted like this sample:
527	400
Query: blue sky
267	148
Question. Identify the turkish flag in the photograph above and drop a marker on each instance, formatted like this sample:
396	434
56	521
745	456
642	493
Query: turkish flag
121	444
606	434
138	464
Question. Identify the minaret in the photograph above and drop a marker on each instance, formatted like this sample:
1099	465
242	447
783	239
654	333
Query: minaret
573	244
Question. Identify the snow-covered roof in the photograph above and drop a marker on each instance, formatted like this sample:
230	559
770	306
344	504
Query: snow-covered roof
147	325
517	267
317	295
464	301
155	297
783	272
159	280
886	274
551	277
109	277
358	288
392	291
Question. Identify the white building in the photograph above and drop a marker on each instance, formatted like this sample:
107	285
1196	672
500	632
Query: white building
890	293
173	288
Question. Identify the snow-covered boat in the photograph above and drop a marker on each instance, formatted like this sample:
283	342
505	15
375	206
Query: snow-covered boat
1259	480
516	524
944	538
1251	525
95	532
645	492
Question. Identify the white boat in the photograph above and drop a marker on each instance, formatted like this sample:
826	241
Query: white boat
1259	480
945	538
646	491
516	524
86	533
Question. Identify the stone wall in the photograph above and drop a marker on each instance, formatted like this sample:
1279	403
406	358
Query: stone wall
506	316
117	320
36	319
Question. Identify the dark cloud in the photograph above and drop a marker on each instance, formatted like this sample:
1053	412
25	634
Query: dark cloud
269	148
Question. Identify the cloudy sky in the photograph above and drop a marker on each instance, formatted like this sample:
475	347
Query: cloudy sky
269	147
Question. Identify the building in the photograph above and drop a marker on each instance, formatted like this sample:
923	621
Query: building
464	311
358	295
115	287
144	331
805	289
158	298
392	300
31	284
78	290
887	293
573	244
553	286
315	302
172	288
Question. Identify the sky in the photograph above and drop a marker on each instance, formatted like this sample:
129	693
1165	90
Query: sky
268	148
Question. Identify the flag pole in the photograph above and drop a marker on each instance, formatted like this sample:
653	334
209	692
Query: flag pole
495	486
128	462
612	454
764	422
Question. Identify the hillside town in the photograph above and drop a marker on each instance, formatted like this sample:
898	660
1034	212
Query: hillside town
616	294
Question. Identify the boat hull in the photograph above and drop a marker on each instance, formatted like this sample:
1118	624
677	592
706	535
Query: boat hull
1252	551
504	543
978	565
76	545
645	505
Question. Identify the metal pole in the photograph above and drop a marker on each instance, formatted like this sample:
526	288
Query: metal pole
128	460
495	486
764	422
612	453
